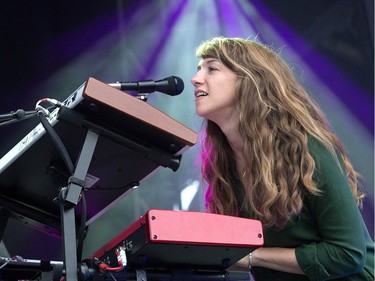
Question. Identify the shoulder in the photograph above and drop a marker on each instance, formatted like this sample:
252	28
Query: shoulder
328	166
320	152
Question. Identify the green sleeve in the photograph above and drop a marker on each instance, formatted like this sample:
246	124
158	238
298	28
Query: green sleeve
341	249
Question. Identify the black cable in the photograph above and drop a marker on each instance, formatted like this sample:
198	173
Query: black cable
68	162
57	141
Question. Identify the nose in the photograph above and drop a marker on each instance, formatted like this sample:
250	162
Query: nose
196	79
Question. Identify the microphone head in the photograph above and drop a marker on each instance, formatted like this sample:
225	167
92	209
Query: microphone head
173	85
179	85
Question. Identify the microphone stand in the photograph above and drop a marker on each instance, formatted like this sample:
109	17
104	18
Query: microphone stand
15	116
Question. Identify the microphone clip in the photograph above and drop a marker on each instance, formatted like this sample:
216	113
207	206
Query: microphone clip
142	96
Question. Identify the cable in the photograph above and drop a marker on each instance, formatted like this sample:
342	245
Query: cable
69	164
133	184
57	141
54	102
121	259
5	263
14	258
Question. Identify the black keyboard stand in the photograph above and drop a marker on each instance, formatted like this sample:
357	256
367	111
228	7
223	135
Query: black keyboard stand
71	197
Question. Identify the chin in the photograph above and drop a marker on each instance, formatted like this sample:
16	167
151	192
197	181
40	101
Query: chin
200	114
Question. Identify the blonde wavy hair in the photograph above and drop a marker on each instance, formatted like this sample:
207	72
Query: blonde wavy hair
276	119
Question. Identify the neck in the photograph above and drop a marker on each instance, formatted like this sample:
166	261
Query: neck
235	141
231	132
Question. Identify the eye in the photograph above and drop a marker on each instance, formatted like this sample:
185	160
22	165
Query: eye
210	68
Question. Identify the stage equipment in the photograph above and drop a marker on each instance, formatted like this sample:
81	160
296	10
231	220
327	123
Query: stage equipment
115	142
166	239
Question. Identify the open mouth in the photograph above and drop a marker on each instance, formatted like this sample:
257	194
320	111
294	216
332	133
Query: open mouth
201	94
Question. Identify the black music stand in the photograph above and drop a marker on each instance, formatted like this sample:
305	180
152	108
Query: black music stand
124	140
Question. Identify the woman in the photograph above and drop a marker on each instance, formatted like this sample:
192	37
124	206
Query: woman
268	154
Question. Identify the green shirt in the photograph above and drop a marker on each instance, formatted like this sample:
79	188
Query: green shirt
329	235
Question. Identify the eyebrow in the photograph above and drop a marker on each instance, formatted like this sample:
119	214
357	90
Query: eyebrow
208	61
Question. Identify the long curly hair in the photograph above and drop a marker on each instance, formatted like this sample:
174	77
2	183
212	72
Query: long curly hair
276	119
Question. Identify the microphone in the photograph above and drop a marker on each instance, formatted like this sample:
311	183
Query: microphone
19	114
171	86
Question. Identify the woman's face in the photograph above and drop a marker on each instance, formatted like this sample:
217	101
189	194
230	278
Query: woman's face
214	85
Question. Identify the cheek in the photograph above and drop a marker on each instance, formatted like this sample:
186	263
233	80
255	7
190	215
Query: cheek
228	92
230	84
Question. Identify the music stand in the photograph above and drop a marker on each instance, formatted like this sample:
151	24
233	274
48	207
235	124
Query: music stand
116	141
